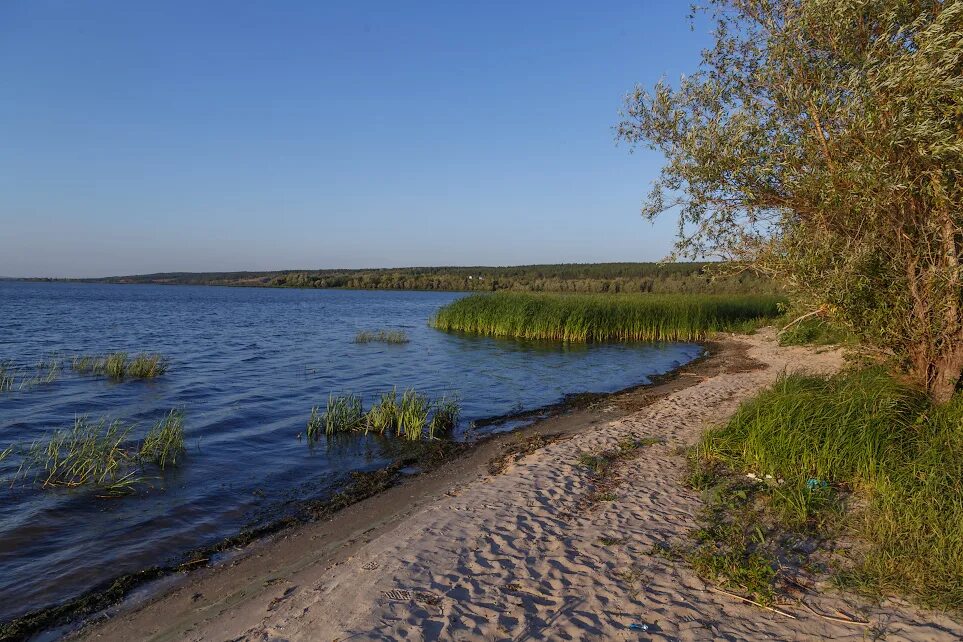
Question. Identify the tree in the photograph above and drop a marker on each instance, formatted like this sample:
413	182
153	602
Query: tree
821	141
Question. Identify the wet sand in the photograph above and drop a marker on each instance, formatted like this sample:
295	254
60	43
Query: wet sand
520	551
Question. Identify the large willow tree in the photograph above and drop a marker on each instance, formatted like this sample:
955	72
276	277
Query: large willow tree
822	141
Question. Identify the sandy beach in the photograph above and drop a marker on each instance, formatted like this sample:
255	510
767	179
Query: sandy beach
521	551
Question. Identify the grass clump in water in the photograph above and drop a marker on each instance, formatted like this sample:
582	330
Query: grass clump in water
600	317
164	442
413	417
8	376
342	414
395	337
809	442
99	454
119	366
89	453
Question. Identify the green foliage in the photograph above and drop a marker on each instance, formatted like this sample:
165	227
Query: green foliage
383	416
445	413
146	366
413	414
865	432
815	332
7	376
343	414
164	442
98	454
574	277
47	370
382	336
407	417
87	454
118	366
605	317
820	142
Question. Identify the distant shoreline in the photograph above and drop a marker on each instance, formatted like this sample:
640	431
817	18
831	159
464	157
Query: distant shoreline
659	278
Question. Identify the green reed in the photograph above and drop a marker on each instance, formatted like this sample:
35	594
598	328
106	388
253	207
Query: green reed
164	442
413	414
445	413
119	366
605	317
8	376
88	453
383	416
98	453
406	417
46	371
342	414
382	336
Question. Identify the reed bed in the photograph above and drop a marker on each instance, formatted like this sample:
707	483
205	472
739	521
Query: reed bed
813	440
413	416
99	454
47	370
164	442
396	337
600	317
119	366
8	376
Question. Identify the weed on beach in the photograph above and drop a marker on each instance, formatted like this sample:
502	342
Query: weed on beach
598	317
791	461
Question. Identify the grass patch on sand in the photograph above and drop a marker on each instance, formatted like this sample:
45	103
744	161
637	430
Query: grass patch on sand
413	416
119	366
395	337
792	460
599	317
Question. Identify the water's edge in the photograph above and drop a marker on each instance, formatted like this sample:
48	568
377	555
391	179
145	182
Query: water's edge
57	620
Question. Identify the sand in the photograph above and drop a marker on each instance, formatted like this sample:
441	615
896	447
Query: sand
523	554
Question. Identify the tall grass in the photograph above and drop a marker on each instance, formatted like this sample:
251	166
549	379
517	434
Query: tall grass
599	317
164	442
89	453
118	365
396	337
8	376
865	432
412	417
47	370
98	453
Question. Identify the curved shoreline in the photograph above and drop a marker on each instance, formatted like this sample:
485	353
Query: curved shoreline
116	594
533	545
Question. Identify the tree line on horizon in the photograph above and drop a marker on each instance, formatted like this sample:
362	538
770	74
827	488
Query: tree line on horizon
656	278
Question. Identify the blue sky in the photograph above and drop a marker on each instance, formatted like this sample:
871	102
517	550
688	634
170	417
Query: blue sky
227	135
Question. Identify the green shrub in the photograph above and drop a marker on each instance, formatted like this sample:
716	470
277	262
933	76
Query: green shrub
865	432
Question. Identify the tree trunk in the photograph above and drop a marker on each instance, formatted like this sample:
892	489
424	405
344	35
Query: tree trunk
946	374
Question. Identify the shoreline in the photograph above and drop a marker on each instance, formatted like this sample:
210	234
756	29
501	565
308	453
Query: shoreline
536	547
564	418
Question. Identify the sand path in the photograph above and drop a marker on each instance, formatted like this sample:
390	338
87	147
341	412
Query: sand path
518	556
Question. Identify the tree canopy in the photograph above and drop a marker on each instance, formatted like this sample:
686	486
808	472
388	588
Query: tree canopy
821	141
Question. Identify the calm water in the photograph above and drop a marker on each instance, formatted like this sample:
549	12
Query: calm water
246	367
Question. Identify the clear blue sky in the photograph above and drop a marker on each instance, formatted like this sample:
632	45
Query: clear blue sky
224	135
